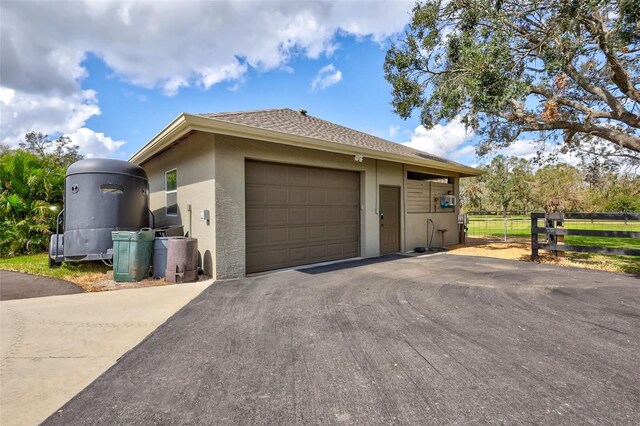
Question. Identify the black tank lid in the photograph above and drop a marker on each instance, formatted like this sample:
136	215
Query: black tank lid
106	165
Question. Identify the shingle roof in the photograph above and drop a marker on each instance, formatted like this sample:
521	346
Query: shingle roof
294	122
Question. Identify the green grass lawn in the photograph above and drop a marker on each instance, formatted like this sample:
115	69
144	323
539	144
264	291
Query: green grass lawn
38	264
606	262
493	226
520	227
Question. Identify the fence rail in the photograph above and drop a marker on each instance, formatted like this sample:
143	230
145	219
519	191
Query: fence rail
498	226
555	232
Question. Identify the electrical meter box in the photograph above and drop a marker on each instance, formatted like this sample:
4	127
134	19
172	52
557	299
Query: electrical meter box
448	201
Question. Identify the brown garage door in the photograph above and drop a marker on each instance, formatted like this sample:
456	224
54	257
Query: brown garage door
299	215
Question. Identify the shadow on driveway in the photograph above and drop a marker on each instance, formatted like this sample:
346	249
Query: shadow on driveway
18	285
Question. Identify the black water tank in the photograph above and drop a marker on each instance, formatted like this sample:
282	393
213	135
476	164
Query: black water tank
100	196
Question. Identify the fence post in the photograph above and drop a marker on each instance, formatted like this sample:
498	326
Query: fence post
504	225
534	237
560	238
552	220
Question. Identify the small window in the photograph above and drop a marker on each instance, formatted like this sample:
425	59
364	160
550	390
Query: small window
171	192
112	188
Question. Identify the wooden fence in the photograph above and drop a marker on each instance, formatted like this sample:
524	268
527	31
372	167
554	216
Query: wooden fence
554	230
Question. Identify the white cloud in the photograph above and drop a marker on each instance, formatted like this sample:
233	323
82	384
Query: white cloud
327	76
94	144
440	140
22	113
393	131
528	149
465	150
521	148
165	45
175	44
6	95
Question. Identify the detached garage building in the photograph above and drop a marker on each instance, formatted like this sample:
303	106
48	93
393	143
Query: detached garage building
264	190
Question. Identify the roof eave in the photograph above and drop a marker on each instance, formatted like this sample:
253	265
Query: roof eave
173	131
186	123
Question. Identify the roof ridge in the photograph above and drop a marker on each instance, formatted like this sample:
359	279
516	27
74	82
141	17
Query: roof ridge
244	112
381	139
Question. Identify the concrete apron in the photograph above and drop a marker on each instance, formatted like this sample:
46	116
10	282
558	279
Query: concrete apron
53	347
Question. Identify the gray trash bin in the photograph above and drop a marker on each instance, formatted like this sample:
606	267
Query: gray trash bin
160	248
182	260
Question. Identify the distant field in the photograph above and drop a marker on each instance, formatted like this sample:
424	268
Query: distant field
520	227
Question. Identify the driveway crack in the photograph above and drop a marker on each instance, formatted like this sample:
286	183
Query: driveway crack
425	358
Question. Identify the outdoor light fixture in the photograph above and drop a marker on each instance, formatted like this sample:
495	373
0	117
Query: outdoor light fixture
358	158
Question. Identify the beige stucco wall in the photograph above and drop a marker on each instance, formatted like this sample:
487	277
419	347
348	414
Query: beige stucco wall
211	176
194	161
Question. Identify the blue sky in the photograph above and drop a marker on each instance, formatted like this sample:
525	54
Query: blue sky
112	74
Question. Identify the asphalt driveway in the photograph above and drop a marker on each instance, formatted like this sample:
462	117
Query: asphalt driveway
17	285
436	340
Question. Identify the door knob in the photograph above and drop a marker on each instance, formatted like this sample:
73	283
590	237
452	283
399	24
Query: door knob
381	216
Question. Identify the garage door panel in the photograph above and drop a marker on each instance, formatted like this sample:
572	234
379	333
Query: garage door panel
256	216
333	231
317	253
298	234
297	176
255	259
334	250
350	249
297	254
317	197
275	174
277	257
298	196
316	177
256	193
276	195
255	174
342	197
351	214
315	232
317	214
334	214
277	235
350	231
256	237
277	216
298	215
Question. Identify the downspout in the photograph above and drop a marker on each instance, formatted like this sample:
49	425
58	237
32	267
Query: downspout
404	206
377	192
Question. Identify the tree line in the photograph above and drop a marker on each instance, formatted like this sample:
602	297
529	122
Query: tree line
512	183
31	191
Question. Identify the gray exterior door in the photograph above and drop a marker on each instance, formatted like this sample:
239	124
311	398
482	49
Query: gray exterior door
389	219
297	215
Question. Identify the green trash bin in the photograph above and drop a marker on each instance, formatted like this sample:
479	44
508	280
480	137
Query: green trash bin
132	254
